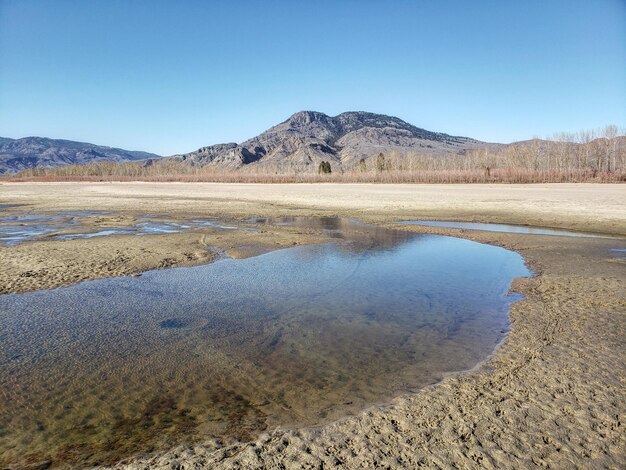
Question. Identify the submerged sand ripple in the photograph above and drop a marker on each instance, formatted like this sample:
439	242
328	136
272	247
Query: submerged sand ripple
553	396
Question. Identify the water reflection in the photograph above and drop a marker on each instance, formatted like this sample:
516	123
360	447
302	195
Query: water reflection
505	228
619	253
84	213
362	236
15	229
108	368
99	233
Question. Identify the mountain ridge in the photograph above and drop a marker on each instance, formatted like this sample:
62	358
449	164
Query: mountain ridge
299	143
32	152
307	138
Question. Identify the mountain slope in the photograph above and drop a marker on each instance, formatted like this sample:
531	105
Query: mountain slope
309	137
31	152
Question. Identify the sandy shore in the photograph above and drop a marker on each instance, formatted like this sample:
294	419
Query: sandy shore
578	206
53	263
552	395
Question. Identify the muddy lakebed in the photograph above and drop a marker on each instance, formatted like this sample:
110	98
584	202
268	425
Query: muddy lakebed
111	368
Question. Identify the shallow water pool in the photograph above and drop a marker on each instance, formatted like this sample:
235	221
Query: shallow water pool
108	368
22	227
504	228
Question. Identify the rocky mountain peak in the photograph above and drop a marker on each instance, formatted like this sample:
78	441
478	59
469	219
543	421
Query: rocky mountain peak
303	118
299	143
308	137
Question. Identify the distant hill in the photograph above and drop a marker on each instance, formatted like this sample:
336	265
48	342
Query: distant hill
299	144
308	138
31	152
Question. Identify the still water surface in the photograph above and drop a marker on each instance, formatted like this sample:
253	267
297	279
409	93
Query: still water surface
505	228
109	368
27	226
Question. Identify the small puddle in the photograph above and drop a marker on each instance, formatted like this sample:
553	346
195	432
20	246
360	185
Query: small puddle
145	228
619	253
83	213
109	368
505	228
25	219
99	233
16	229
11	235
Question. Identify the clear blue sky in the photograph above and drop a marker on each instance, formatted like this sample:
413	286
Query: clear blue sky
172	76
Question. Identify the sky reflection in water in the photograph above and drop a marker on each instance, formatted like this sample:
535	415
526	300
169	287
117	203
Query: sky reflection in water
112	367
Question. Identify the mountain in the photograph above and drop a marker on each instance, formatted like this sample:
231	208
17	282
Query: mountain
299	143
31	152
308	138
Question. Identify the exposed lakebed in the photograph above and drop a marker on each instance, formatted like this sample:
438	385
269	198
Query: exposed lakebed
109	368
16	228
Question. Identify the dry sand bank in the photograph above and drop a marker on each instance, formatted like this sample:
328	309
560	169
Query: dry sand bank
578	206
552	395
